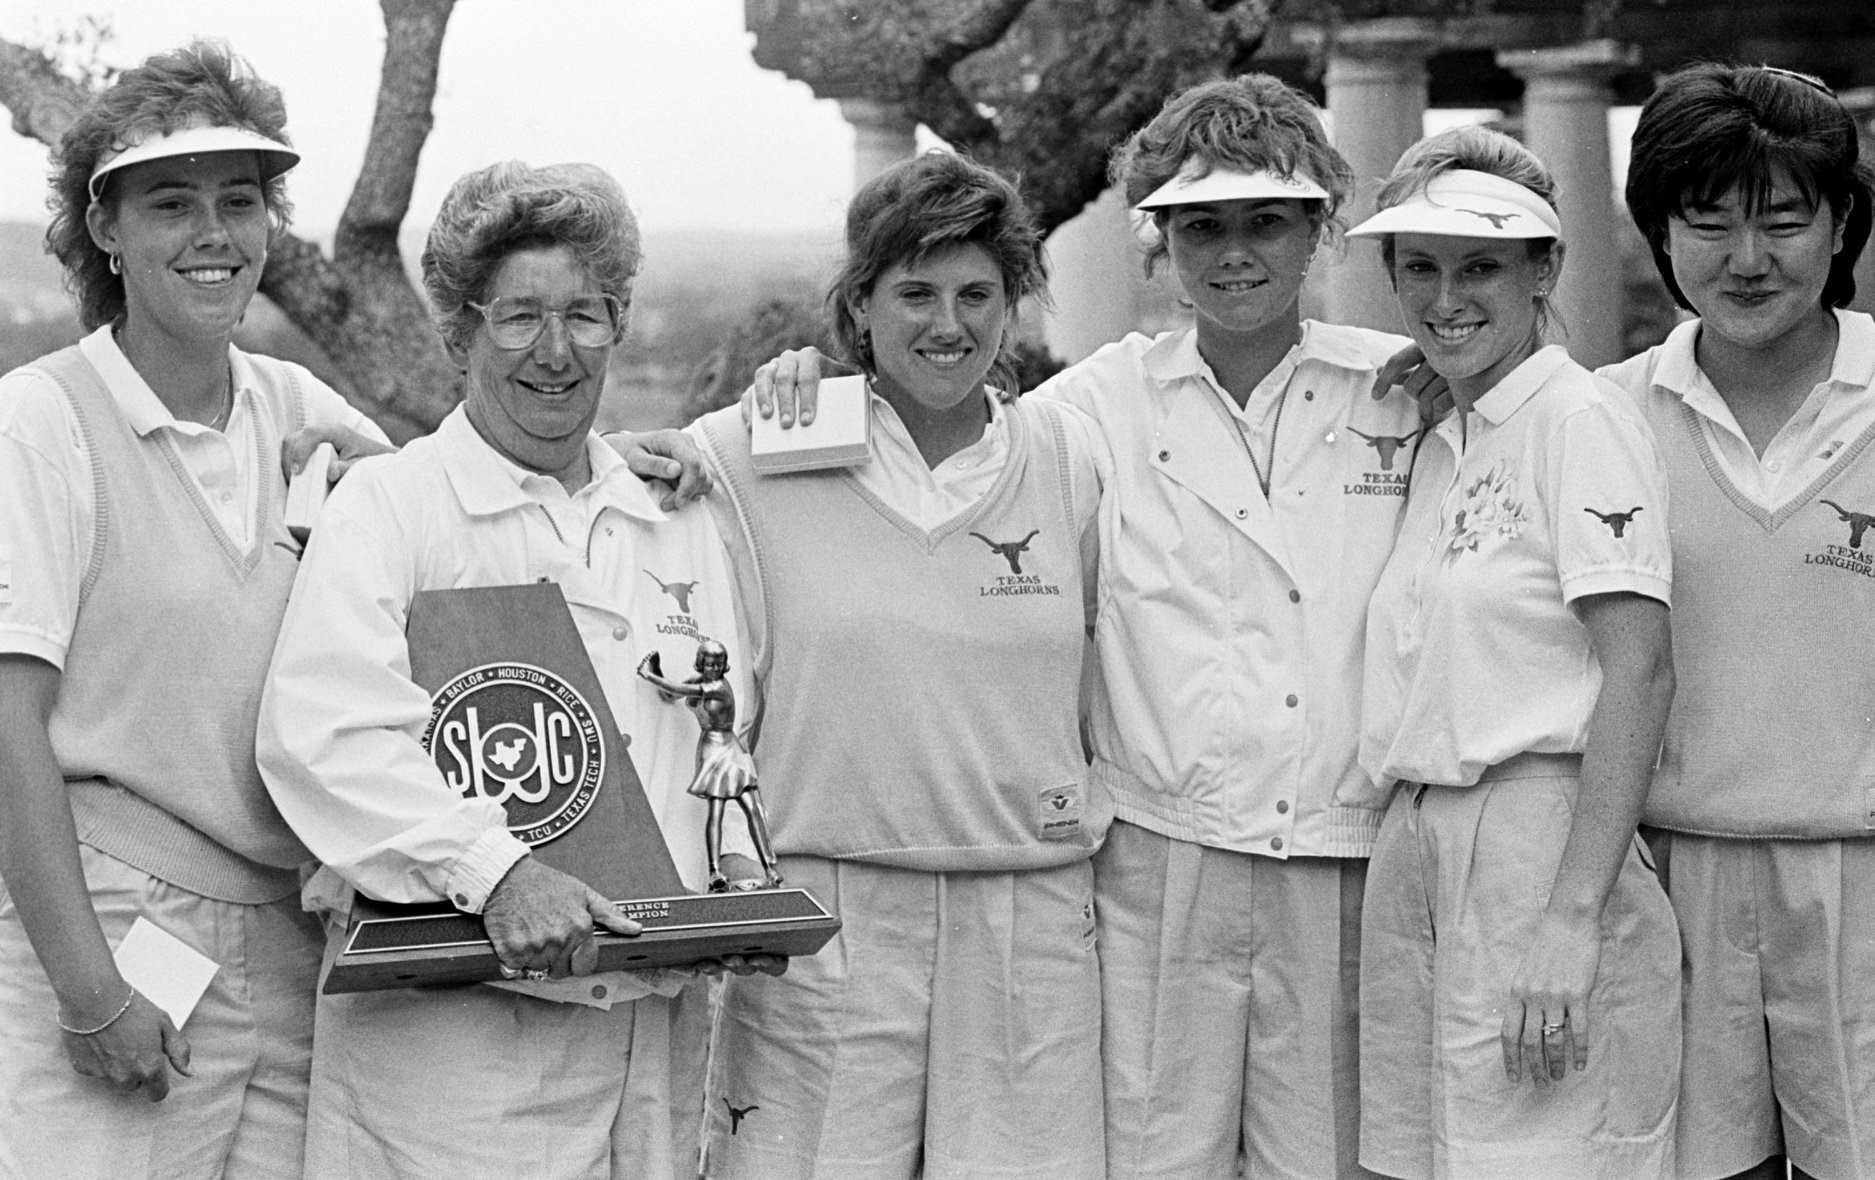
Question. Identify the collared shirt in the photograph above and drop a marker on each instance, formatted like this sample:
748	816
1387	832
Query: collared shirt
927	496
341	721
1224	708
1549	491
47	502
1836	412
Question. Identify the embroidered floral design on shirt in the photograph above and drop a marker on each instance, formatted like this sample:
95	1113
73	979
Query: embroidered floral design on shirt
1492	508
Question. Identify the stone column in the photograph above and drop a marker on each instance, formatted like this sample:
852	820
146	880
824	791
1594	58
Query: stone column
883	134
1376	83
1096	277
1565	117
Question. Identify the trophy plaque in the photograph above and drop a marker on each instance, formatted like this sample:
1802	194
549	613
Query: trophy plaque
518	715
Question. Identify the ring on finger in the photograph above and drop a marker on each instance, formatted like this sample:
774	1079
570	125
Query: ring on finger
1550	1030
533	974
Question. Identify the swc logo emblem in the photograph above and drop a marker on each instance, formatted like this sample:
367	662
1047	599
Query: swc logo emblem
521	736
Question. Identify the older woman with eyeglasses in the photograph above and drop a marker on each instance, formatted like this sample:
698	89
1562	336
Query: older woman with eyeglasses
562	1073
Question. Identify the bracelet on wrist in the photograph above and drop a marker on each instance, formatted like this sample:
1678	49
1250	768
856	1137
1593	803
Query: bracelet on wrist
92	1032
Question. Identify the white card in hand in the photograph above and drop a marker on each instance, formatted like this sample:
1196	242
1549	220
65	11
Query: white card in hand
168	971
306	492
839	436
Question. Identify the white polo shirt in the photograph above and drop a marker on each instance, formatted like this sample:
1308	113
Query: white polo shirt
1225	707
1836	413
47	502
1554	492
341	722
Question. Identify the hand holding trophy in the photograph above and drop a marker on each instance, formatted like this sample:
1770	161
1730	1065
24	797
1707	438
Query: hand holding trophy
725	769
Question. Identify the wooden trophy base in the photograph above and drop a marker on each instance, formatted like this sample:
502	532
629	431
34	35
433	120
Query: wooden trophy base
393	946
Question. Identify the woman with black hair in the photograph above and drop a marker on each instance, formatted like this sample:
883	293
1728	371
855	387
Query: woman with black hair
1748	184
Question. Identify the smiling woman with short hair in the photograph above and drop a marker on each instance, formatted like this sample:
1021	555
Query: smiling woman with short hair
559	1073
144	565
920	655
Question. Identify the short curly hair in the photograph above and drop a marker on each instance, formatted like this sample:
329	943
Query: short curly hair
1712	128
1251	123
201	83
928	203
494	211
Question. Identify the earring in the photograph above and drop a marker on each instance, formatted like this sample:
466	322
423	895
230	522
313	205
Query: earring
117	265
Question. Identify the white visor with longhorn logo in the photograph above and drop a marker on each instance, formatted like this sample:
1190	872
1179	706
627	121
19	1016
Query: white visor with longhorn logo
196	140
1224	183
1466	204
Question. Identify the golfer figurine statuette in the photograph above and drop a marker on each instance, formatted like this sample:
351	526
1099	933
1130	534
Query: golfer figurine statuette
725	770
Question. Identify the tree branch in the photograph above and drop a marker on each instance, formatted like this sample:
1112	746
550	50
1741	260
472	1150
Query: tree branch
43	101
400	126
977	29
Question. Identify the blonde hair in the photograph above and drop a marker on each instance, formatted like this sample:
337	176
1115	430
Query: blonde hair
1252	122
1473	148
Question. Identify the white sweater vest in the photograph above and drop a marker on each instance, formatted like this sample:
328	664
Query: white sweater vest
921	688
154	723
1772	732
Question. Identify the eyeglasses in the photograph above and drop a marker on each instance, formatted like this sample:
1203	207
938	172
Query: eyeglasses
591	321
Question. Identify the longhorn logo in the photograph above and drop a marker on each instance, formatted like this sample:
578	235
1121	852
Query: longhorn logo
677	590
737	1114
1618	521
1386	445
1497	220
1010	551
1858	522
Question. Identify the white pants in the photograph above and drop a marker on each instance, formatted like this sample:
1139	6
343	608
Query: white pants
1230	991
1458	882
241	1117
1779	939
950	1030
458	1083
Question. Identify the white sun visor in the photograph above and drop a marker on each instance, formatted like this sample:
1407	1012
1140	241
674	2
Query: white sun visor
1467	204
275	157
1229	184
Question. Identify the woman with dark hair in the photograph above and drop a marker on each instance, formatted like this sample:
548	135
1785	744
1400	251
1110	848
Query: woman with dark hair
919	650
558	1072
1748	183
143	569
1255	494
1519	965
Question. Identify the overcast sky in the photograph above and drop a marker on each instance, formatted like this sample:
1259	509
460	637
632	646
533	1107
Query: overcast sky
662	93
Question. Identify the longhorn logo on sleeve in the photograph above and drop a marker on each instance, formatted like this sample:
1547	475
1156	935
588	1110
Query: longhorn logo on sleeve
1617	521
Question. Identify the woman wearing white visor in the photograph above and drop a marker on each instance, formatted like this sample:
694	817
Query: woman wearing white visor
1254	500
140	520
1520	964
